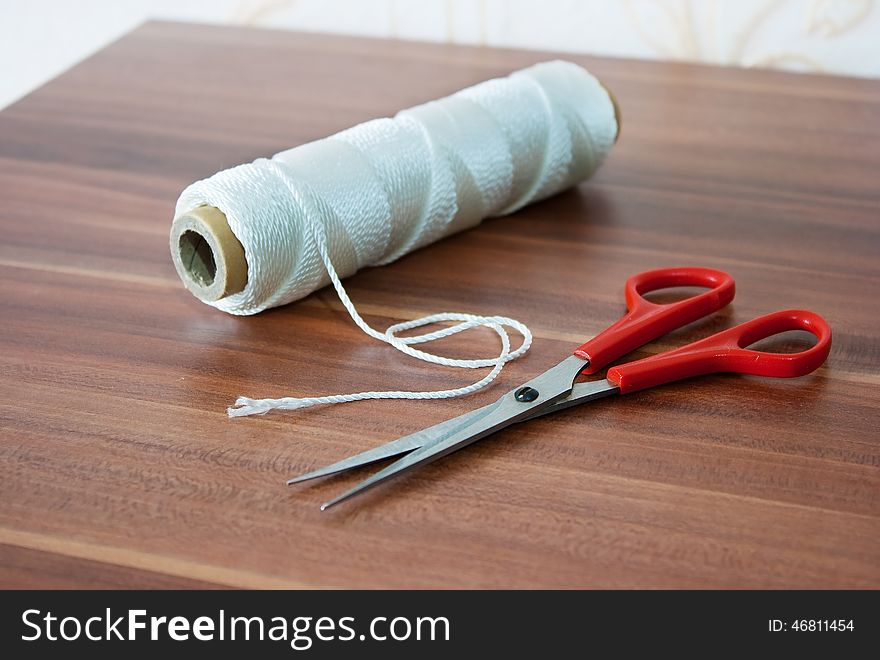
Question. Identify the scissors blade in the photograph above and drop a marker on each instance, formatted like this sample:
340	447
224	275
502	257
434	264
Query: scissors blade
580	393
551	386
394	448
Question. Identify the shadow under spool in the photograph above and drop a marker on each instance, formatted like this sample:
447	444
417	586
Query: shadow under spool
209	258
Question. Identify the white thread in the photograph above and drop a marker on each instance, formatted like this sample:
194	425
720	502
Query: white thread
381	189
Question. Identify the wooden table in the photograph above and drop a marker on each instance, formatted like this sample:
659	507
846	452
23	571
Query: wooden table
120	467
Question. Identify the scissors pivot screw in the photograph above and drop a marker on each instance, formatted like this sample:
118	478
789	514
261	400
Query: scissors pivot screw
527	394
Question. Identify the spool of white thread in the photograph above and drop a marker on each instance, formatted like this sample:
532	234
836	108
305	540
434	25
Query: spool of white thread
270	232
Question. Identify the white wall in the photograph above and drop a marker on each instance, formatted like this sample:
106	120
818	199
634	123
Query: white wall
40	38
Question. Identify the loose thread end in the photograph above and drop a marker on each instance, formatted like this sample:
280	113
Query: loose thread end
247	407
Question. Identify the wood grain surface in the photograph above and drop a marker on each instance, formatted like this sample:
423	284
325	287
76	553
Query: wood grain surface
121	469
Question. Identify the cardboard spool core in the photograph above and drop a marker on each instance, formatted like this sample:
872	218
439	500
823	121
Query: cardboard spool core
617	115
210	259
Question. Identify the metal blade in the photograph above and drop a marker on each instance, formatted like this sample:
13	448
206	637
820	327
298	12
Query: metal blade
550	387
393	448
580	393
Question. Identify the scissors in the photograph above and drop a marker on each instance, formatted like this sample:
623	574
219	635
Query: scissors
643	322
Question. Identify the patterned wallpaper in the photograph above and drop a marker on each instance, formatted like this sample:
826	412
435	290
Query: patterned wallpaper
833	36
40	38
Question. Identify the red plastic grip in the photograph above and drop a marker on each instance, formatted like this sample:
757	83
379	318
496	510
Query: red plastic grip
725	352
645	321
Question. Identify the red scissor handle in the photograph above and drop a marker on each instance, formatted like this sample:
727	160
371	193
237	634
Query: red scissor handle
726	352
645	321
